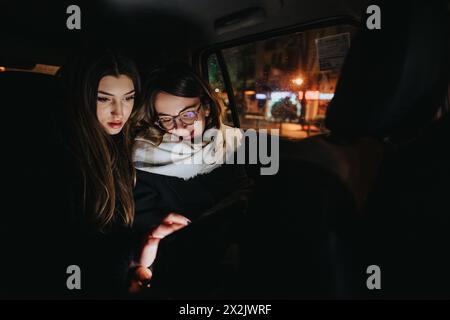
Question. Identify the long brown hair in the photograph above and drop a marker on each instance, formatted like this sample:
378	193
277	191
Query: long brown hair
179	80
105	161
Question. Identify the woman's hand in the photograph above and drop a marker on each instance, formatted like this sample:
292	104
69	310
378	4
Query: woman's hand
171	223
142	274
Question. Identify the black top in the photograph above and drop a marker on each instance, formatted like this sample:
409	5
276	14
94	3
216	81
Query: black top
194	266
157	195
103	257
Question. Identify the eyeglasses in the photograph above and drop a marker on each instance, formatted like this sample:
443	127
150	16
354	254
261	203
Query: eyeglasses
187	117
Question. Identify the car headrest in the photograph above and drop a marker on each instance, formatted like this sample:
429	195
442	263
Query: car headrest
393	78
31	103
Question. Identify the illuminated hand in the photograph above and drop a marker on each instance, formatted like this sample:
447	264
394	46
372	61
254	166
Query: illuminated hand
142	274
171	223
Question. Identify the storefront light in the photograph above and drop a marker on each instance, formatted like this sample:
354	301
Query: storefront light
312	95
278	95
326	96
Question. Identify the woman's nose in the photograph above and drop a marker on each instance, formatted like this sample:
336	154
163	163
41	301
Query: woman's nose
179	124
117	109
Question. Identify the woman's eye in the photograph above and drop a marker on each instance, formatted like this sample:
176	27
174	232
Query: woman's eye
102	99
189	114
130	98
165	120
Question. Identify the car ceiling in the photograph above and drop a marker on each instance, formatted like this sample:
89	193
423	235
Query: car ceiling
36	30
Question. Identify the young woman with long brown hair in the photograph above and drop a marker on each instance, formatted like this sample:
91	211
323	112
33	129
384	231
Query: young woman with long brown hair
101	96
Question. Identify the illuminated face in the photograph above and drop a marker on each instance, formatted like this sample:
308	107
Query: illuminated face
183	117
115	100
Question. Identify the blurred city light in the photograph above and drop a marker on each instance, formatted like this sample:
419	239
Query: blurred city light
298	81
326	96
312	95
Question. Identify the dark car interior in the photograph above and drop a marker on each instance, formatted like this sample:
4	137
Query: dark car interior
363	182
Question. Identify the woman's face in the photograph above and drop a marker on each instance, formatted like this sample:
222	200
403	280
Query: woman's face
115	100
186	111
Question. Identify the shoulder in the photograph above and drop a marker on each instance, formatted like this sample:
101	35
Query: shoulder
226	175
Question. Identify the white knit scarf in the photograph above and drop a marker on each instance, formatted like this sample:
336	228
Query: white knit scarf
184	159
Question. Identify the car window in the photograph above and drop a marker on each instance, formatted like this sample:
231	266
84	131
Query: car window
284	82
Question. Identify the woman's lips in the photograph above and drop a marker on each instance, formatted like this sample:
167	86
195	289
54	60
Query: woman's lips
115	124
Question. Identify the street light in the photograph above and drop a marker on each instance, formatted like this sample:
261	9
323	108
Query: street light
297	81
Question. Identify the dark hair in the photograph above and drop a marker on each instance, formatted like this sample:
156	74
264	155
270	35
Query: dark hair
105	161
179	80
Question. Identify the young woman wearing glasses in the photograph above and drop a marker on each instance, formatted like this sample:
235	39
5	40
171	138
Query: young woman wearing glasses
181	152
